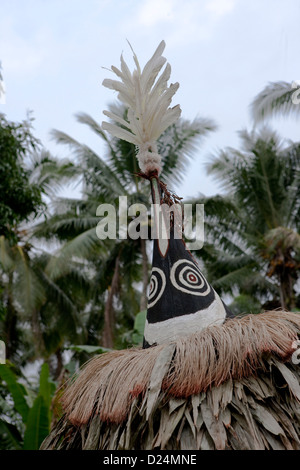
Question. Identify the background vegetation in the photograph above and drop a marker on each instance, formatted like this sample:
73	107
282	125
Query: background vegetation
65	294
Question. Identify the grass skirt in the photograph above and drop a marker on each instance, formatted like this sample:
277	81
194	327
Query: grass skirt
231	386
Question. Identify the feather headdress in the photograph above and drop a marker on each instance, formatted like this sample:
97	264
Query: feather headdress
147	97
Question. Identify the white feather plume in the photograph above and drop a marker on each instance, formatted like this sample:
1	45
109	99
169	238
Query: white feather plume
147	97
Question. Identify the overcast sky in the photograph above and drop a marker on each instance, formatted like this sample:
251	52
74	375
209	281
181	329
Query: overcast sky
222	52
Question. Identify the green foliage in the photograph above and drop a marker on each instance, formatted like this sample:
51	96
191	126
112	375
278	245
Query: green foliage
275	99
31	296
10	437
36	419
252	244
62	300
27	172
37	425
20	198
39	416
244	304
16	389
88	349
138	328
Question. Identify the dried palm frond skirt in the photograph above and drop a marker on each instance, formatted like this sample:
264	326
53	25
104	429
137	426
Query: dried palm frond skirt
232	386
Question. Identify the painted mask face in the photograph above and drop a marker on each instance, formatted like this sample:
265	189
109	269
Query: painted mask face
180	299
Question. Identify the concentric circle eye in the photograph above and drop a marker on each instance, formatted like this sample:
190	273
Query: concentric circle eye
157	286
187	277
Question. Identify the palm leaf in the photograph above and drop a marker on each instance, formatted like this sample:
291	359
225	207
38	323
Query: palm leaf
10	436
51	174
39	416
29	291
179	144
65	226
276	98
82	246
139	326
88	348
60	300
88	159
86	119
37	426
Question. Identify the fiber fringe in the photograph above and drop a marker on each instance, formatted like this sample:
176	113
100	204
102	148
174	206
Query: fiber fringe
229	386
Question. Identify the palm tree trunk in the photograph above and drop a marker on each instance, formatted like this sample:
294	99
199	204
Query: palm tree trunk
59	363
281	293
292	299
107	335
286	282
143	303
287	295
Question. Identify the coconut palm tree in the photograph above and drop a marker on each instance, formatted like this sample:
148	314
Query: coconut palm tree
33	325
252	243
30	174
